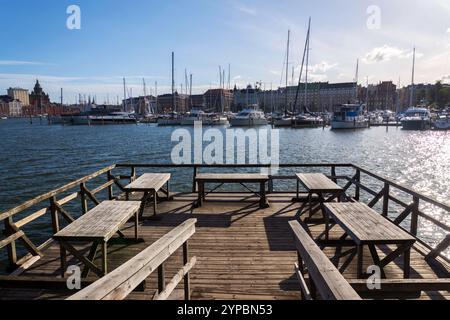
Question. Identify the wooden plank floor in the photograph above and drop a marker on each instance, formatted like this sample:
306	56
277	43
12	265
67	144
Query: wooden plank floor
242	252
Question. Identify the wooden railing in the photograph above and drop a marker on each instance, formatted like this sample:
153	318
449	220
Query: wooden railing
54	205
118	284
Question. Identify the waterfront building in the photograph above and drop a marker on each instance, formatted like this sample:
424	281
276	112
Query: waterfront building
165	103
39	100
218	100
20	94
197	101
243	98
382	96
10	107
316	97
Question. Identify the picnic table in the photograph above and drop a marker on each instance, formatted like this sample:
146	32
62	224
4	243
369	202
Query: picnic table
319	184
149	184
368	228
240	178
98	226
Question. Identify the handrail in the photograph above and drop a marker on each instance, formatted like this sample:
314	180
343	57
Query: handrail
118	284
85	195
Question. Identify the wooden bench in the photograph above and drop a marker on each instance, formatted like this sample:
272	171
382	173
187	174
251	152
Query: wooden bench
202	178
98	226
122	281
324	276
368	228
149	184
317	184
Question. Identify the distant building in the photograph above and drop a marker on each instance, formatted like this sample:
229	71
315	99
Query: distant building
315	97
20	94
165	103
218	100
380	97
245	97
197	101
10	107
39	100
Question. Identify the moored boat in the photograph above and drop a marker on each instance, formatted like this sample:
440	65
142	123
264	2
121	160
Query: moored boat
349	116
416	119
249	117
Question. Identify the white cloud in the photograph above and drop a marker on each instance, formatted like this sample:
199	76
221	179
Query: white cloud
387	53
448	30
322	67
247	10
19	63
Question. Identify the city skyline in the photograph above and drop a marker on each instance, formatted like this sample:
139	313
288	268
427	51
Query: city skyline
135	41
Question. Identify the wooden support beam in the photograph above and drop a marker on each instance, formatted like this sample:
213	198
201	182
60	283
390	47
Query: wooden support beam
164	295
11	239
31	217
386	199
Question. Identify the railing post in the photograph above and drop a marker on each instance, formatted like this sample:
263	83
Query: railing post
386	199
187	287
133	174
11	248
161	278
84	206
415	216
54	215
194	184
357	188
333	174
110	188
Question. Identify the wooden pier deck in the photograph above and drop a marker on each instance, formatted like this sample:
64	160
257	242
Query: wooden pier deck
243	252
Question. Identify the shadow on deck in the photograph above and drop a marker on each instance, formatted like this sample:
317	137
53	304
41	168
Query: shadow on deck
242	252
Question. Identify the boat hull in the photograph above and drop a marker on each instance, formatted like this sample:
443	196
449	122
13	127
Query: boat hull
338	125
282	122
169	122
416	125
248	122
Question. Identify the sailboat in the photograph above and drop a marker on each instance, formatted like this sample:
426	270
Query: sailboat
171	119
306	119
415	118
285	120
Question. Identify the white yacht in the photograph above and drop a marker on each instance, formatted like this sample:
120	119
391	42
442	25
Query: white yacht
349	116
114	118
249	117
416	119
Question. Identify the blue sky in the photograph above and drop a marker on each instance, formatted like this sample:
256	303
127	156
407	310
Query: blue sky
134	39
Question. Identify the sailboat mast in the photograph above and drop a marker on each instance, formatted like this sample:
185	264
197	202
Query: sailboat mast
306	70
174	101
411	98
287	72
301	68
124	95
356	79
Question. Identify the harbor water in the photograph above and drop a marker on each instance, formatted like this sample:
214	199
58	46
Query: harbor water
40	157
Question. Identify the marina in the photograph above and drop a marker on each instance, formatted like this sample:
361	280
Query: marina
224	156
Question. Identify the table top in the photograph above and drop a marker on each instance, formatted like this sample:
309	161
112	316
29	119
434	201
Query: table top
318	182
100	223
232	177
149	181
366	226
